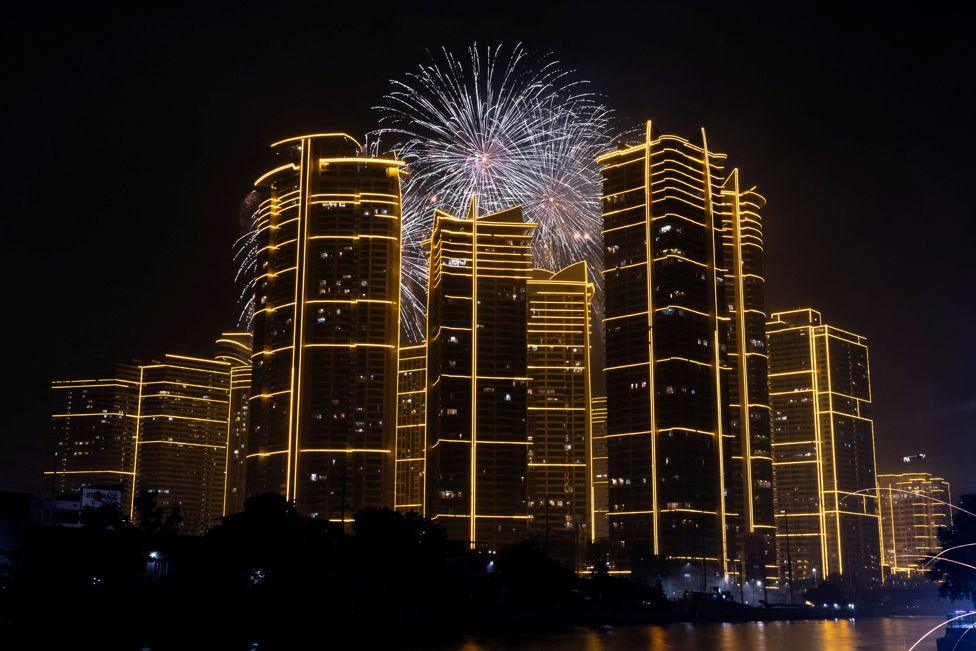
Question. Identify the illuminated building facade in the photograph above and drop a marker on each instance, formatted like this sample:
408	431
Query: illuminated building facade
477	440
749	507
558	410
322	428
598	466
914	506
235	349
411	428
181	442
93	426
823	451
667	369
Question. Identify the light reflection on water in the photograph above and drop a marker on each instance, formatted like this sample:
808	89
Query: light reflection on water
865	634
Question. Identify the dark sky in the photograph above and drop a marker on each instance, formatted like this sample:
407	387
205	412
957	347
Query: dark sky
130	139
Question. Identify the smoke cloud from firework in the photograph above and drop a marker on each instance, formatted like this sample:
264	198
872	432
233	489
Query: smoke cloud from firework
510	126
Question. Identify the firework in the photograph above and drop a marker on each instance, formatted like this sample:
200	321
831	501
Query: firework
510	127
868	491
245	256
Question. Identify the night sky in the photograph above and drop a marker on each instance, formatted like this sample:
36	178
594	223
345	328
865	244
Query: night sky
130	140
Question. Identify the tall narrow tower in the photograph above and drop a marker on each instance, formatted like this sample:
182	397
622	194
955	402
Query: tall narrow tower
411	428
477	441
666	328
598	467
323	404
827	505
750	472
558	484
235	349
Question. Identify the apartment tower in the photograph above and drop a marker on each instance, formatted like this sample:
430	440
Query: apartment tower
181	440
235	349
559	419
827	505
477	438
411	428
92	436
666	324
749	506
322	428
598	467
914	506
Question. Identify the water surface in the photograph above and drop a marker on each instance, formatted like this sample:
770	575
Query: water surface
864	634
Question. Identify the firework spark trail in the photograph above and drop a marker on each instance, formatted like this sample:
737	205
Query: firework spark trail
931	558
943	560
946	551
935	628
245	256
900	490
512	128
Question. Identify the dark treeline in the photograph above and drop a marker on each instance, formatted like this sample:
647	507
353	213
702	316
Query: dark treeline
269	573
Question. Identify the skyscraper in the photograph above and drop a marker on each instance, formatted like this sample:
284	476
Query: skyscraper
477	441
235	348
324	375
666	328
181	440
558	363
750	470
914	506
598	467
411	428
93	428
823	450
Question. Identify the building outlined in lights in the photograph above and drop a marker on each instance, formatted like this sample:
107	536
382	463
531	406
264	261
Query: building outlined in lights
183	407
823	451
676	464
160	426
598	467
477	439
411	428
558	410
235	348
748	438
914	506
324	373
93	430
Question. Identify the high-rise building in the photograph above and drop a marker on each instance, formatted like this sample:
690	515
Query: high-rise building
411	428
558	363
93	427
324	374
750	469
477	440
823	451
914	506
181	441
666	327
235	349
598	467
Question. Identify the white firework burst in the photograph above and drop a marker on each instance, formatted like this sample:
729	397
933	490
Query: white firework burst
513	128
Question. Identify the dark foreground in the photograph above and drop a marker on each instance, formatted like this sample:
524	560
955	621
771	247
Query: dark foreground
273	578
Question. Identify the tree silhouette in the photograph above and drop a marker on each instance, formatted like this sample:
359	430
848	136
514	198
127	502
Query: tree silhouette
531	580
105	517
957	580
173	521
153	519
